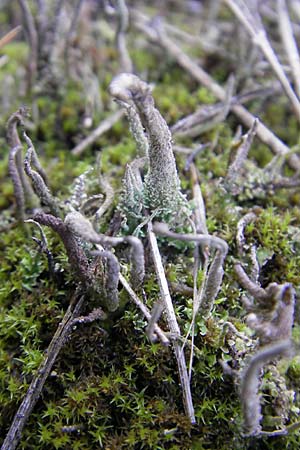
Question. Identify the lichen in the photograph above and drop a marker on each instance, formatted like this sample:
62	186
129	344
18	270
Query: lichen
110	387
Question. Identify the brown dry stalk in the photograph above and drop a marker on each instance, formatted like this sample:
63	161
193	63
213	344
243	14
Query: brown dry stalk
10	36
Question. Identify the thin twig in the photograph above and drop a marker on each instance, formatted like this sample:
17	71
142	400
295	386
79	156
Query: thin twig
158	331
289	42
263	133
199	212
173	325
32	37
202	39
43	244
207	117
200	227
123	19
72	30
102	128
10	36
259	37
36	386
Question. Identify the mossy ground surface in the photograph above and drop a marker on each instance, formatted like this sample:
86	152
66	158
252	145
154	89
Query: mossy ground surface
110	387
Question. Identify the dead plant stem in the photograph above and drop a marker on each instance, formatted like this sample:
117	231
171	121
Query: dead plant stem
173	325
36	386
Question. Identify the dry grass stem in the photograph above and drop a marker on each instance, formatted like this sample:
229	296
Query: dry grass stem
157	330
289	42
257	32
263	132
32	37
95	134
10	36
123	20
36	386
173	325
199	211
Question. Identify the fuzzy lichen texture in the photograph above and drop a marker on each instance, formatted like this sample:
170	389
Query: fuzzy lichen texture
162	185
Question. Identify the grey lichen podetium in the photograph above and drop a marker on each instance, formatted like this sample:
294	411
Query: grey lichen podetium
82	227
22	189
38	178
162	186
271	316
250	383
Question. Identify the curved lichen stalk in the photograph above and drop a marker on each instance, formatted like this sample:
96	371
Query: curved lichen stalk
162	186
213	281
38	177
251	382
22	188
82	227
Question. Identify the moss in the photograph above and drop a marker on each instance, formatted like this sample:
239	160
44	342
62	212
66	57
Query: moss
294	369
205	97
174	100
17	53
278	118
261	154
143	59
